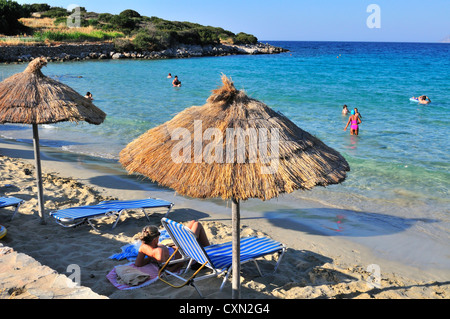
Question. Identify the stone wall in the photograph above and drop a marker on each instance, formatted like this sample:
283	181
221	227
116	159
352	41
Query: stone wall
25	53
65	52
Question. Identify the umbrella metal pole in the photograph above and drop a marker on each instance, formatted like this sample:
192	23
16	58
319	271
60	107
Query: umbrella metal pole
37	157
236	248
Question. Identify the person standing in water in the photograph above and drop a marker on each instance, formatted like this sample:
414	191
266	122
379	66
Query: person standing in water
354	122
358	114
89	96
176	82
345	110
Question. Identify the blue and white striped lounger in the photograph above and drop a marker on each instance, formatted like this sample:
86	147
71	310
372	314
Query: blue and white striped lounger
11	201
218	257
75	216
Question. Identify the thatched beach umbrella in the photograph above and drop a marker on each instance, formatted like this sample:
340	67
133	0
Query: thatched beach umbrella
233	147
32	98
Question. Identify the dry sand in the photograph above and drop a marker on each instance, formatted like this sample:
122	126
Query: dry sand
34	259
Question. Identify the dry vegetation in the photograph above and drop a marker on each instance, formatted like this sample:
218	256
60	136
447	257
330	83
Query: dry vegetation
47	32
40	24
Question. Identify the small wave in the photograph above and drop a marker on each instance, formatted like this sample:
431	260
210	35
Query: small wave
76	150
65	76
48	126
24	140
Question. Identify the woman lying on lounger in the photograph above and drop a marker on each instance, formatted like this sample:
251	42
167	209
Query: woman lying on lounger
152	251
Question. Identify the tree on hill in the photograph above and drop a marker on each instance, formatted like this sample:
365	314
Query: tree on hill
245	38
129	14
36	7
10	12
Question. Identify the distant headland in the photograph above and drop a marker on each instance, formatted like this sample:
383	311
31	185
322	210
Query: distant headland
61	35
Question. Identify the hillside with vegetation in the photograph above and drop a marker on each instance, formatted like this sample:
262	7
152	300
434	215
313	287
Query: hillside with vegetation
129	30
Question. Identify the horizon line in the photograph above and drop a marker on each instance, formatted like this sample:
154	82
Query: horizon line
357	41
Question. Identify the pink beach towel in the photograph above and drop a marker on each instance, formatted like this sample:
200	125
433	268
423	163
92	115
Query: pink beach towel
150	269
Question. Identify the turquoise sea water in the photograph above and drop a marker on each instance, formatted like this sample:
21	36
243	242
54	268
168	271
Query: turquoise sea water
399	162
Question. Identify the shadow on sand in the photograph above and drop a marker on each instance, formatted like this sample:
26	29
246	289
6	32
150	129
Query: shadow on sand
341	222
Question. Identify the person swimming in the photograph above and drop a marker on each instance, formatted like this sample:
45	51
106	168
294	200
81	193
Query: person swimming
89	96
423	99
345	110
176	82
354	122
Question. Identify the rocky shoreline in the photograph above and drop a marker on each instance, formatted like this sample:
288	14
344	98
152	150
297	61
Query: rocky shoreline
103	51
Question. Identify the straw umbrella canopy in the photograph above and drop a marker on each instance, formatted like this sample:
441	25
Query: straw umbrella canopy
32	98
233	147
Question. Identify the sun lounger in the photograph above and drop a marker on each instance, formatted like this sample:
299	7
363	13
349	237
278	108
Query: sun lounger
75	216
143	204
217	258
11	201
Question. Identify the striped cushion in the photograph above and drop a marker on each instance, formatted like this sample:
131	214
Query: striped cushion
219	256
74	213
10	201
186	241
130	204
251	248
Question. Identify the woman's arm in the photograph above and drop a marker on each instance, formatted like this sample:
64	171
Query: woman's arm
348	122
148	254
142	260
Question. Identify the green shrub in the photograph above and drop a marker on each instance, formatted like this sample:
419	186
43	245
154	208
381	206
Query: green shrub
208	35
60	20
76	36
105	17
129	14
245	38
106	27
10	12
93	22
37	7
55	12
145	41
123	45
188	37
123	24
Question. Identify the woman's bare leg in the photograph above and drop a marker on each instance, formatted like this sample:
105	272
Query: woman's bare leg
199	232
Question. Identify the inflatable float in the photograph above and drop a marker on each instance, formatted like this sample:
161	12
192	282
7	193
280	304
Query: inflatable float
2	231
414	99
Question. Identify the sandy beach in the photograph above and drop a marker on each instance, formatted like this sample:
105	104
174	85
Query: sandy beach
316	266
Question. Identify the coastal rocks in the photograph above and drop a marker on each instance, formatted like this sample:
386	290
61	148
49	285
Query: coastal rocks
259	48
63	52
117	56
78	52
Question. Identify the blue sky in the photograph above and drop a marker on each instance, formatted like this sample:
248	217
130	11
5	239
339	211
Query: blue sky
298	20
